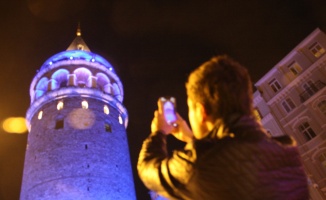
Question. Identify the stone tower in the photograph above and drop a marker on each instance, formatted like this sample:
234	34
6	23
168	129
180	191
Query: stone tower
77	145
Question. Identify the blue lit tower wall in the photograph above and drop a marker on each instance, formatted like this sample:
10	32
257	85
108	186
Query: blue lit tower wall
77	145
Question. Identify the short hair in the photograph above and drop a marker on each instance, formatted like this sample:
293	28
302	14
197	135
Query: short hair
223	86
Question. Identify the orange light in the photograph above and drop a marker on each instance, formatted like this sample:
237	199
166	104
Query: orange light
14	125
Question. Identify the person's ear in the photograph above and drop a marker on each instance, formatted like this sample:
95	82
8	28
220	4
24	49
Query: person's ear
201	113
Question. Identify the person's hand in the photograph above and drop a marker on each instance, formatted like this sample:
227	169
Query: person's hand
159	123
179	128
182	131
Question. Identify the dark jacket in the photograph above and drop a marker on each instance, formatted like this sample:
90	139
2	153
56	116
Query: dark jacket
243	164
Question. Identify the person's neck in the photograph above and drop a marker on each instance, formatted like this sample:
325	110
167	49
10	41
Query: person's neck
209	124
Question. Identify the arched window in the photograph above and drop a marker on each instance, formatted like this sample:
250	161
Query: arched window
82	75
116	91
53	84
41	87
91	82
322	107
103	82
42	84
61	77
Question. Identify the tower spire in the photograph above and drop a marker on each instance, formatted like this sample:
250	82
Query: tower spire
78	32
78	43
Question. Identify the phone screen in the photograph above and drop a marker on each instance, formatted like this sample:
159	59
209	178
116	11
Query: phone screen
169	112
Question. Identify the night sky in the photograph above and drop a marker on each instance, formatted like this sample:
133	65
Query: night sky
153	46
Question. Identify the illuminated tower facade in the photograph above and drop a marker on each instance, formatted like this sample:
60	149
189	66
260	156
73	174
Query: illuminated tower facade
77	144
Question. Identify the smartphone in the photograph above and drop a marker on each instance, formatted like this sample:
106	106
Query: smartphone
169	112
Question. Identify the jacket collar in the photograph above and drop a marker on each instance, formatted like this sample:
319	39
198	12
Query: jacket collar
234	126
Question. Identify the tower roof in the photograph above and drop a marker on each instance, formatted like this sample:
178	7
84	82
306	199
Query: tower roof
78	43
77	50
76	72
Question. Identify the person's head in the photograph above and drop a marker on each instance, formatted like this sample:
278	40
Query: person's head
218	89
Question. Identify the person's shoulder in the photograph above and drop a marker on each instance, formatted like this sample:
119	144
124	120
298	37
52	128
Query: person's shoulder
285	140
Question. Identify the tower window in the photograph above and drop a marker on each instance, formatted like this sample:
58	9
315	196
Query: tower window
120	119
80	47
59	124
108	128
106	109
84	104
275	85
40	115
60	105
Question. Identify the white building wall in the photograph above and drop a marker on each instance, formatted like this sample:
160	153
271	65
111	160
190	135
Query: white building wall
291	106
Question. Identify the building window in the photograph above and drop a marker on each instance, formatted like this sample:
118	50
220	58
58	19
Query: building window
80	47
84	104
310	88
108	127
60	105
288	105
307	131
275	85
257	114
322	159
106	109
59	124
317	50
295	68
322	107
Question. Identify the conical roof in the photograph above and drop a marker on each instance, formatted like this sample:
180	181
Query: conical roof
78	43
77	50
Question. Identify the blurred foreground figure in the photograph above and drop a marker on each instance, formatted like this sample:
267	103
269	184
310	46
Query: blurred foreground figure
228	154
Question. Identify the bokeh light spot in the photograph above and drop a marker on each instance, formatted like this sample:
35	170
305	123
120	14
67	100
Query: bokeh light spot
15	125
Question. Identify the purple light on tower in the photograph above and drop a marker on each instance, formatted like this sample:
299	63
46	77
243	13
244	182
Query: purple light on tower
77	144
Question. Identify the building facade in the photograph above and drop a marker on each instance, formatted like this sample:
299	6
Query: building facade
77	143
291	100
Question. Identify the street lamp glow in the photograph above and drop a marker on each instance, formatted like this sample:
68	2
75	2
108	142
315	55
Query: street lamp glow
14	125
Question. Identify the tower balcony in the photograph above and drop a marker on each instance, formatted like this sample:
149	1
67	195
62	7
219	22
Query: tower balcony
76	69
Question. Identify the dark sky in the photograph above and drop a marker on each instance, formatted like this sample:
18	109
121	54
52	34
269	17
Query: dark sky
153	45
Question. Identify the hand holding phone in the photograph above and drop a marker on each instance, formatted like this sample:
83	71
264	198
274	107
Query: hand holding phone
168	108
